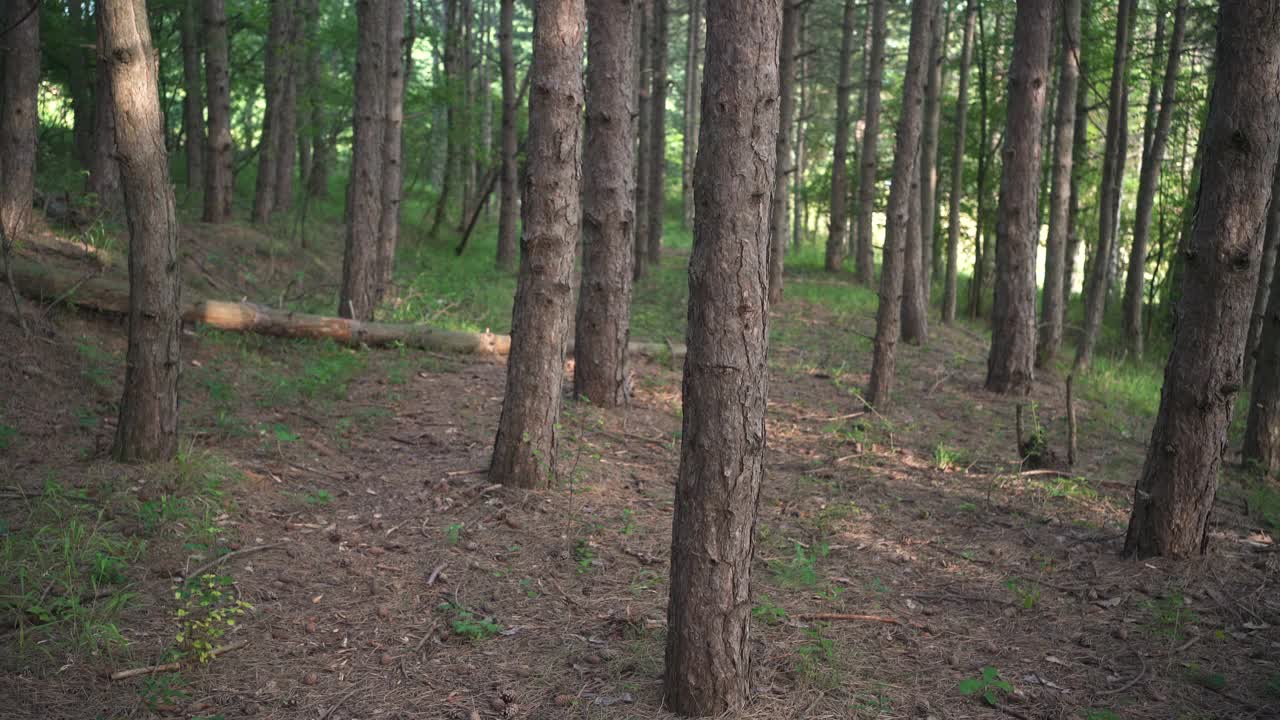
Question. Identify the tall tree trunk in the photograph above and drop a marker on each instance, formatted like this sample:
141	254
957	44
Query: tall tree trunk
1013	315
1053	305
692	101
798	206
220	150
392	136
453	114
644	155
840	151
929	165
658	129
20	78
1108	194
287	117
524	453
1148	182
1079	159
275	76
78	76
1175	493
957	167
708	653
1261	313
865	255
977	284
1262	431
312	163
148	426
192	96
604	302
508	197
900	216
778	217
104	169
359	293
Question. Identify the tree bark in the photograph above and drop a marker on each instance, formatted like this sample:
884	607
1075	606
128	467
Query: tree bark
508	198
524	453
1262	431
360	289
192	96
1262	295
778	216
1108	194
148	426
1149	180
104	169
392	134
929	168
865	256
1175	493
78	76
658	128
840	151
451	45
219	148
604	301
899	216
644	156
287	137
692	101
1053	304
1079	159
981	242
19	124
1013	315
957	168
708	652
275	77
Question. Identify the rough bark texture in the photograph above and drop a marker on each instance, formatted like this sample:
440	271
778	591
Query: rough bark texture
608	212
104	169
273	83
508	198
692	102
644	156
779	220
20	60
192	96
1262	431
1262	295
220	151
1108	195
1079	158
840	152
708	653
1179	480
392	135
79	75
658	130
1013	315
524	453
903	192
287	118
957	168
1148	183
148	427
915	280
359	291
1053	305
934	90
865	254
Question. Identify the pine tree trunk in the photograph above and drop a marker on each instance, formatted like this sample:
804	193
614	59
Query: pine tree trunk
287	137
192	96
840	151
219	149
1097	286
1053	304
644	155
1013	315
799	209
392	169
1079	159
359	292
1262	295
604	301
1262	374
148	426
929	166
708	652
104	169
778	216
19	124
453	116
1175	493
957	168
900	215
508	194
310	148
658	129
78	84
524	453
977	284
1148	183
692	101
273	82
865	255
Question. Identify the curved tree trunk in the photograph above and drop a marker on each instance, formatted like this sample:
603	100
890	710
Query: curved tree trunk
1013	314
524	453
778	217
20	60
708	652
192	96
900	216
840	151
608	211
658	129
865	255
148	427
1175	493
957	168
219	148
508	197
392	169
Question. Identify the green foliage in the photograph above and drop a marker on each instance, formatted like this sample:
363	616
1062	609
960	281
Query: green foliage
1100	714
165	690
1264	504
768	613
208	609
100	367
1077	488
1027	593
584	555
801	569
1205	678
319	497
468	624
8	436
989	686
945	458
816	658
1169	616
453	533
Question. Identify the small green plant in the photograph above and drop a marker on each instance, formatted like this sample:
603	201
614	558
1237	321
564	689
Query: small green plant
161	691
1100	714
1264	504
8	436
319	497
628	521
467	624
1170	616
816	658
584	555
768	613
989	686
945	458
1272	687
208	609
1027	593
801	569
1206	678
1035	445
453	533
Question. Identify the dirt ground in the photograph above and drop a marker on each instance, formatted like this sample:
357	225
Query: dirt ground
396	582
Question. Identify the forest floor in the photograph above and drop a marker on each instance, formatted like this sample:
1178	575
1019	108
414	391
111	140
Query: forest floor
344	493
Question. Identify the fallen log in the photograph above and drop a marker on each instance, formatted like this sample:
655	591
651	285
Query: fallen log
101	293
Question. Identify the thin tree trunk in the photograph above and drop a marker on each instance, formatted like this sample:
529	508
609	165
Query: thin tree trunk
692	101
1013	315
1259	317
1262	431
1175	492
604	302
658	129
220	150
778	217
865	256
392	168
19	124
524	453
799	209
929	180
1053	304
453	134
1149	181
287	137
840	151
78	83
708	651
104	170
644	155
148	425
957	168
192	96
1079	159
275	76
359	293
977	284
467	143
508	198
900	216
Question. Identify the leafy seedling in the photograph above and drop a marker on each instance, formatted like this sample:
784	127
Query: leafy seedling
989	686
